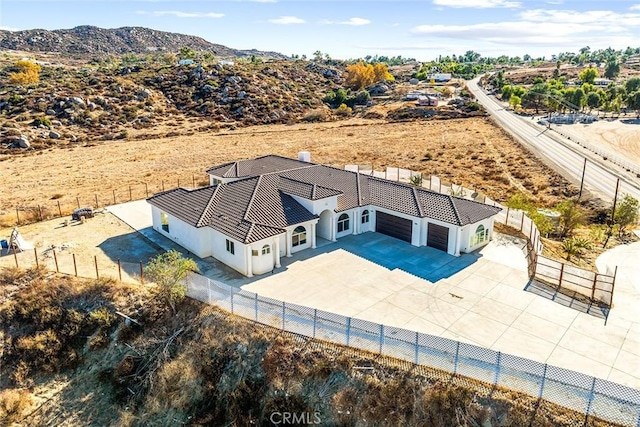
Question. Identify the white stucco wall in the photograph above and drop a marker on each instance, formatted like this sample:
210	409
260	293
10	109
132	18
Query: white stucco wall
469	232
307	245
317	206
237	260
367	226
263	263
325	224
196	240
352	218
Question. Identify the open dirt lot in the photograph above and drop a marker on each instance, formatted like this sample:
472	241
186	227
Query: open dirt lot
103	238
620	137
471	151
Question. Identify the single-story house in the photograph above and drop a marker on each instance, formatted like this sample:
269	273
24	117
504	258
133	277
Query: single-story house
427	101
257	211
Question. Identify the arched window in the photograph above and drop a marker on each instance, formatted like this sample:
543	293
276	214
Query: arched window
343	223
480	235
365	216
299	236
266	250
164	220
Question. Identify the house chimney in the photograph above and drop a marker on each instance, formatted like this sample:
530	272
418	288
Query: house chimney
304	156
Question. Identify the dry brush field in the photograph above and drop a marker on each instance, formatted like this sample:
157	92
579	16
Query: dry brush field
469	151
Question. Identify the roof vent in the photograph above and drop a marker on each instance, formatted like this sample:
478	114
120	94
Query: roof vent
304	156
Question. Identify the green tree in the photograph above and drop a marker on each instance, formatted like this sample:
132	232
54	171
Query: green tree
571	217
515	101
187	53
612	69
626	213
632	85
633	101
594	100
507	91
168	271
589	75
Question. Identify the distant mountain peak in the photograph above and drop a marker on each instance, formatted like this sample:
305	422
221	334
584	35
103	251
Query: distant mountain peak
92	41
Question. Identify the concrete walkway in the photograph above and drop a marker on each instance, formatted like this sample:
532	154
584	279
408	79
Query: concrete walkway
477	298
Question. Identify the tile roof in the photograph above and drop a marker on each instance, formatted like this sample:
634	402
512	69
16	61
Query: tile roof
256	167
260	204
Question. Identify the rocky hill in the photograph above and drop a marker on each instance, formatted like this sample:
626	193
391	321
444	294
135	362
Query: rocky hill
97	42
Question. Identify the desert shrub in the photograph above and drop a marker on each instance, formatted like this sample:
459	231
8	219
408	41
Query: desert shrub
343	110
13	404
315	116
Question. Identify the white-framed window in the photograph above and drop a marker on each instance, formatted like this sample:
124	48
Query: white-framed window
343	223
365	216
164	220
231	247
299	236
266	250
481	235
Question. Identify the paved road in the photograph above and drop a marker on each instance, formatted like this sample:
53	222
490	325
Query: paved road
563	156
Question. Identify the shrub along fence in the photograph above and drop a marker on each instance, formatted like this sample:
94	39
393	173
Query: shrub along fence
594	397
63	204
597	287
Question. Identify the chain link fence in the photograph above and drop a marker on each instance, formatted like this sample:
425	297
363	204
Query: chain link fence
594	397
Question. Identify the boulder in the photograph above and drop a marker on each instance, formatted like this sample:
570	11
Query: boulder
20	141
54	135
77	100
414	81
50	112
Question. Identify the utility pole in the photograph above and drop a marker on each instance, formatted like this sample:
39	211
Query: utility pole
584	169
612	222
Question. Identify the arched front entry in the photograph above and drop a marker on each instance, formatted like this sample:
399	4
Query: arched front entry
325	225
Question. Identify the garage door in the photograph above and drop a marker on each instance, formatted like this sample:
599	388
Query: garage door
394	226
438	237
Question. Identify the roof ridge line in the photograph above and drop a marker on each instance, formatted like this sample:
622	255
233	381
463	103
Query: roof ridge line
206	208
455	209
417	202
253	196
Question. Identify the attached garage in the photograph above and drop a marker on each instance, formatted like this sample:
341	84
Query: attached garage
394	226
438	237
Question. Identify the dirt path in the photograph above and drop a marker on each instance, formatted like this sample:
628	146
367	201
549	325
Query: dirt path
620	137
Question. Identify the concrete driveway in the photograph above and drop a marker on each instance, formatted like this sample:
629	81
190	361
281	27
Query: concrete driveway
478	298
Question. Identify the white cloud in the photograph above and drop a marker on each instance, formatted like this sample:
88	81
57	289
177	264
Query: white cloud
597	17
5	28
286	20
355	21
635	7
478	4
179	14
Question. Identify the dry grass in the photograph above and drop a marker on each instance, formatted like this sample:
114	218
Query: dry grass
471	151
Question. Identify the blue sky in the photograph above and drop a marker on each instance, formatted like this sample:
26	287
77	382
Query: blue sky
422	29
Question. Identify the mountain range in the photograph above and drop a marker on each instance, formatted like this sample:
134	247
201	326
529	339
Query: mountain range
93	41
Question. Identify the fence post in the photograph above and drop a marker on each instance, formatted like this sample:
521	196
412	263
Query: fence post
544	377
141	274
75	267
283	314
348	331
455	359
114	196
35	253
506	218
593	289
163	185
97	206
561	274
591	397
40	218
130	194
415	359
119	271
78	201
381	338
193	179
315	320
255	307
146	189
15	256
178	182
59	208
95	259
55	258
613	284
497	377
522	221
